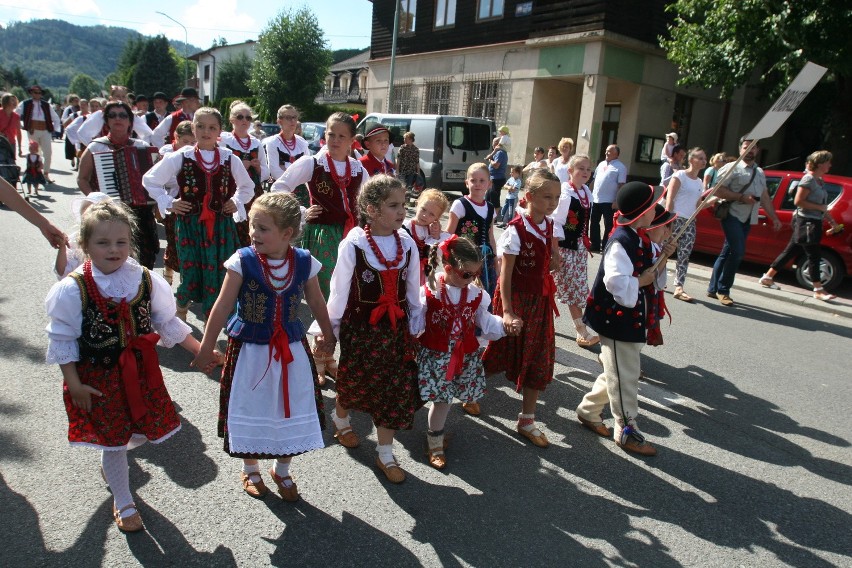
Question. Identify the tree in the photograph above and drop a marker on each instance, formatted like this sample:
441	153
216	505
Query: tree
721	43
233	76
155	70
291	61
127	61
84	86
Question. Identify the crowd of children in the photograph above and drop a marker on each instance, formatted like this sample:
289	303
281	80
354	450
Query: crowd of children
408	301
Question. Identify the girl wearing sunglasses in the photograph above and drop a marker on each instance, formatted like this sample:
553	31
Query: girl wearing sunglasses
450	357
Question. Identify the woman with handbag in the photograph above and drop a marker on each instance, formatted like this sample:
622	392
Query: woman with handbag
811	203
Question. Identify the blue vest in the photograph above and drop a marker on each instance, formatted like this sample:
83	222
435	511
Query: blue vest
256	302
603	313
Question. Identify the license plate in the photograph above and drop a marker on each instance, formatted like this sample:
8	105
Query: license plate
456	175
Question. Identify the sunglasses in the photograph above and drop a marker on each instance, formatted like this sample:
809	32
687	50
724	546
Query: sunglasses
120	115
465	275
242	117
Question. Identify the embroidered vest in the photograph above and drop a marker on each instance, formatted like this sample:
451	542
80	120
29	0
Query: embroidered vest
28	114
100	343
324	192
368	287
440	319
473	227
374	166
178	116
193	188
603	313
284	156
254	173
253	321
531	264
574	224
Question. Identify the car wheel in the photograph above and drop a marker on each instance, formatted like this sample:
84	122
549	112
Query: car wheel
832	271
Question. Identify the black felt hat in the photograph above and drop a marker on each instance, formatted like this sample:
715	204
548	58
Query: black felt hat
187	93
661	217
160	95
635	198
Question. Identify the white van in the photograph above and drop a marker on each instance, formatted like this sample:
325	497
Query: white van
448	144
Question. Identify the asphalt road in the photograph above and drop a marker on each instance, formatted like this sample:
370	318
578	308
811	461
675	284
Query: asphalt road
746	406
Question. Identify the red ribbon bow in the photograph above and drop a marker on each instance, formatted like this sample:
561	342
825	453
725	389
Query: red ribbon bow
145	345
207	216
445	248
454	368
388	303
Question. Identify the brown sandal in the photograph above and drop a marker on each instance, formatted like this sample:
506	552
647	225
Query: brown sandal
133	523
392	471
347	437
255	488
290	493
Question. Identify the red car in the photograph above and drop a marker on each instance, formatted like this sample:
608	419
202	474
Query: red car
764	244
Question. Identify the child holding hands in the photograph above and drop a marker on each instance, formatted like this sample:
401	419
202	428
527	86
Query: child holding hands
525	300
268	353
450	358
375	309
106	319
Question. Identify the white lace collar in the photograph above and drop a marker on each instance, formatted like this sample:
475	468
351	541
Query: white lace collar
123	283
326	159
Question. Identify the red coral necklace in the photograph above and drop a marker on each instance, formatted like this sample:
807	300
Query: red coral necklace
208	167
375	247
268	267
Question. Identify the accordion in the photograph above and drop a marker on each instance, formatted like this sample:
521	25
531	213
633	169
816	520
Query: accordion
119	173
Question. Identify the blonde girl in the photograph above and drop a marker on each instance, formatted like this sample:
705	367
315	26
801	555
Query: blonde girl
106	319
425	226
525	300
450	358
711	173
572	230
375	311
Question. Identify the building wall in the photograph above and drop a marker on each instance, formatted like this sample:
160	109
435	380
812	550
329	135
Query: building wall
214	58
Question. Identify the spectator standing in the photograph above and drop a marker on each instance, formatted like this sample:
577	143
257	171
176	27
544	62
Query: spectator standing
10	122
39	121
408	161
497	162
746	190
673	164
539	161
559	166
610	175
711	174
682	196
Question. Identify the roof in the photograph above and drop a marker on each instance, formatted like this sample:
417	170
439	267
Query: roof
196	56
356	61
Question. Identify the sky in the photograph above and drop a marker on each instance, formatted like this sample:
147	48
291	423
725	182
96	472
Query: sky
346	23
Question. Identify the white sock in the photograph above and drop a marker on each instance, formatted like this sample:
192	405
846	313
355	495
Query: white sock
251	468
341	423
117	474
436	442
386	453
529	427
282	469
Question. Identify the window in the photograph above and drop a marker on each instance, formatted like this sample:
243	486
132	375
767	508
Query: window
489	9
682	116
206	72
407	13
468	137
483	98
401	102
445	13
438	98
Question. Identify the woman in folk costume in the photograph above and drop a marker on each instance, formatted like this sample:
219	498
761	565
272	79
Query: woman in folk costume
284	148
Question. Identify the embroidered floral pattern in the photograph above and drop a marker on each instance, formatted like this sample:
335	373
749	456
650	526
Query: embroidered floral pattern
368	276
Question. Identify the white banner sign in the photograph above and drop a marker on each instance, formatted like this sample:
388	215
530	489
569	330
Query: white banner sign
807	78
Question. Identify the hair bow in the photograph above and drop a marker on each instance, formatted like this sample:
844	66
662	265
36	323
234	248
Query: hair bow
444	247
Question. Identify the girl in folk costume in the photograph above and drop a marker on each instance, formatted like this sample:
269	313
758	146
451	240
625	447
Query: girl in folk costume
212	190
248	149
572	230
525	299
425	226
105	320
69	256
34	169
270	406
183	138
118	125
450	358
472	216
333	180
284	149
375	310
376	142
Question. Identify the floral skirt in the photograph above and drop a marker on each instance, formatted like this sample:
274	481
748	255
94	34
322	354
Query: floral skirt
202	268
110	424
572	278
468	386
377	373
528	358
323	241
226	381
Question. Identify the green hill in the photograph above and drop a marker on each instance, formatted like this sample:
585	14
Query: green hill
53	51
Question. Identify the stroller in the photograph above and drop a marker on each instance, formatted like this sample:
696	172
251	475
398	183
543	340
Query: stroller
9	170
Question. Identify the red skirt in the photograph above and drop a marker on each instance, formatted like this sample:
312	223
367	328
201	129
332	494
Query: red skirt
110	424
378	373
528	358
232	353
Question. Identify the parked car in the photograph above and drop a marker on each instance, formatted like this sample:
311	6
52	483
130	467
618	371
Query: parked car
764	244
448	144
270	128
314	133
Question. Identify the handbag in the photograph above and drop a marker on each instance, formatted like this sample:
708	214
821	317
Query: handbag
722	207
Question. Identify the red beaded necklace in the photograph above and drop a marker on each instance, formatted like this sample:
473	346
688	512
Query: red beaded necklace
291	147
268	267
208	167
582	196
343	182
247	146
375	247
111	315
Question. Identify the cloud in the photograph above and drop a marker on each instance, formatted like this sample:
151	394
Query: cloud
206	20
24	11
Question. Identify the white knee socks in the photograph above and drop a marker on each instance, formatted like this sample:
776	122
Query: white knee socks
117	474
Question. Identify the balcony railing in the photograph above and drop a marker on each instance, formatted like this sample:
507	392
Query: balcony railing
342	96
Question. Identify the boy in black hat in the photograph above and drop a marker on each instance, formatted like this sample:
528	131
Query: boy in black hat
620	309
161	109
165	131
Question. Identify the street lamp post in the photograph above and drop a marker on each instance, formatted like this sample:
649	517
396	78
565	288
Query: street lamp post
185	41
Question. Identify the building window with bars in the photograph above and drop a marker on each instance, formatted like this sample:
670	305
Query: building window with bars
437	98
401	101
489	9
483	99
445	13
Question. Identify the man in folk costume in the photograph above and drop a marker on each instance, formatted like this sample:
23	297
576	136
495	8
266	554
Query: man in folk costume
40	121
94	126
165	131
154	117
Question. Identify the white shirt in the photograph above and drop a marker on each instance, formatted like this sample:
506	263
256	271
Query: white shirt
560	168
71	130
618	275
93	126
272	144
228	140
608	177
302	170
159	179
341	278
161	132
65	309
38	114
560	216
686	198
458	208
